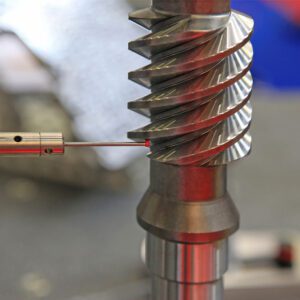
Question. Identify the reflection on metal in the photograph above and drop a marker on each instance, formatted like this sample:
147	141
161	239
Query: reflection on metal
200	116
38	144
104	144
45	144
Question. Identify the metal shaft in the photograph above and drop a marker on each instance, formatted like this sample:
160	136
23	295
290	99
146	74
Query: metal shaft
103	144
45	144
200	116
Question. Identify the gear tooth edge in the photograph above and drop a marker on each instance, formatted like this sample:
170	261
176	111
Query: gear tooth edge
200	89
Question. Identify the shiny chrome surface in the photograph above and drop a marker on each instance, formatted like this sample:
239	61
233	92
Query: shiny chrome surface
33	144
104	144
200	116
39	144
173	290
201	85
192	7
185	270
167	259
188	204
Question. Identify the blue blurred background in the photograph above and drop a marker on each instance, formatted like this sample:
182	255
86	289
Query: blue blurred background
276	42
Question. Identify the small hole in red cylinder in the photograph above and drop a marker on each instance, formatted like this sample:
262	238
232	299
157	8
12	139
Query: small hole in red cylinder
18	139
48	151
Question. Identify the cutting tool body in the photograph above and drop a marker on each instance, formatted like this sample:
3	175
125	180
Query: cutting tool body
200	114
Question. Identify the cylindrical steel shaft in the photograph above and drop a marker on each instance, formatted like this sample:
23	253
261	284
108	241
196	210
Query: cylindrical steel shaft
200	116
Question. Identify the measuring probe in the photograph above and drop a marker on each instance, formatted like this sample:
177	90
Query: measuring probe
42	143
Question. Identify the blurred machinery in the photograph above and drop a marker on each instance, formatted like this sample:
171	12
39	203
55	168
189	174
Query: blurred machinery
29	101
200	115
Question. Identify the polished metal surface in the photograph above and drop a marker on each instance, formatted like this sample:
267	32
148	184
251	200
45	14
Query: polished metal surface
188	204
200	116
104	144
34	144
176	290
167	259
200	89
192	7
188	216
40	144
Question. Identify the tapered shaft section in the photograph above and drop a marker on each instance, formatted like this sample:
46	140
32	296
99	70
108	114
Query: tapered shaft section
188	216
200	114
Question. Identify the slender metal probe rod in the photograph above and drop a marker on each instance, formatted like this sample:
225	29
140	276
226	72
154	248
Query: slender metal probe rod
41	143
103	144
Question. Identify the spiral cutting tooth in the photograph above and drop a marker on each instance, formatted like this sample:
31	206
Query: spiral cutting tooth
147	17
201	85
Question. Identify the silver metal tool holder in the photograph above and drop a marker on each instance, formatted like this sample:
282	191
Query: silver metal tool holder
200	116
31	144
45	144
